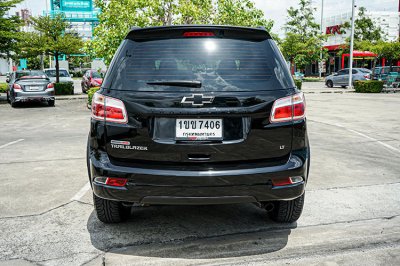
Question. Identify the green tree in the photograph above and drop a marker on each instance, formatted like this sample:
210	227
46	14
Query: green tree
365	29
117	18
51	38
303	41
9	27
366	33
240	13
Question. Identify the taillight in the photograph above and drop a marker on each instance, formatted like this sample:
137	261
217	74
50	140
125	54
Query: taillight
17	87
50	86
288	109
366	76
198	34
108	108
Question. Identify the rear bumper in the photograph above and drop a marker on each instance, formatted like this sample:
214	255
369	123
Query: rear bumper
34	96
187	187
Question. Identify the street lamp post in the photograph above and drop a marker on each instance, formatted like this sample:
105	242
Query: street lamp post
351	45
320	53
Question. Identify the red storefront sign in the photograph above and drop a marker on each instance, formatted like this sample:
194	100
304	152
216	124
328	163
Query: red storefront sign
333	29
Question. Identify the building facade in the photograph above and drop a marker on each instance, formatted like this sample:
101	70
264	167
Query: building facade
389	21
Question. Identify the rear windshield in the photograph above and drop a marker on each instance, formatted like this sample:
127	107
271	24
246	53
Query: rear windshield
30	74
365	70
52	73
219	64
97	75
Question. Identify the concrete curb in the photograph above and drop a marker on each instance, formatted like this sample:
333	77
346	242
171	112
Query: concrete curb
319	92
71	97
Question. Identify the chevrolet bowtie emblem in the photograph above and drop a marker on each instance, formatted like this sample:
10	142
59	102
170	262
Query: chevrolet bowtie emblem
197	99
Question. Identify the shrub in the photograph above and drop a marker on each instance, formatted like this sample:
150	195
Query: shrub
77	74
311	79
90	94
298	83
64	88
3	87
368	86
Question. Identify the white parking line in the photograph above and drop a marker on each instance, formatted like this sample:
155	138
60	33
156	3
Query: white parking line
81	192
370	138
11	143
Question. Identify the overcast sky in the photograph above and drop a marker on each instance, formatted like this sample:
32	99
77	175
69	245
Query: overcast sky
273	9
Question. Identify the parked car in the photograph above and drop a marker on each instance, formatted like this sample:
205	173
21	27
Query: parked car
64	75
90	79
198	115
341	78
298	75
29	85
381	73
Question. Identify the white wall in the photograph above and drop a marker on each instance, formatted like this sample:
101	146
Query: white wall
3	66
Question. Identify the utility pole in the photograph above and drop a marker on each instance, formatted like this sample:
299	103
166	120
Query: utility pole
351	45
320	53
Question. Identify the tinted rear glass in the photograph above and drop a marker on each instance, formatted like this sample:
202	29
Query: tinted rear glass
219	64
52	73
30	73
365	70
97	75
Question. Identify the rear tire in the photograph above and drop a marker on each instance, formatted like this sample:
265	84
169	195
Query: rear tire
329	84
287	211
13	104
109	211
51	102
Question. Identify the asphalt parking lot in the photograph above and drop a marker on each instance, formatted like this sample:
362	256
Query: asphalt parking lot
351	214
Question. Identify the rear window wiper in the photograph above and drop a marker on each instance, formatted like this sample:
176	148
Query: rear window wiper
178	83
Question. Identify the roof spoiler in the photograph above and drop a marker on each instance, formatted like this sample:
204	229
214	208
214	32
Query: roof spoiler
174	32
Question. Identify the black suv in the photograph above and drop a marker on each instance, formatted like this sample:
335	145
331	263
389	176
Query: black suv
198	115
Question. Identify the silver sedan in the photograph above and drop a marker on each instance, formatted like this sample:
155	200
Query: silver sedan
341	78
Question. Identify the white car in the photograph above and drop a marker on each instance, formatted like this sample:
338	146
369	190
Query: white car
65	77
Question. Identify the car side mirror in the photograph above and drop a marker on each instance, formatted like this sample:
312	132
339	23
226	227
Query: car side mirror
8	80
335	74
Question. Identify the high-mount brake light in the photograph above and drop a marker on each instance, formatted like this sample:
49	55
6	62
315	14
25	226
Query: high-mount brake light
198	34
289	108
108	109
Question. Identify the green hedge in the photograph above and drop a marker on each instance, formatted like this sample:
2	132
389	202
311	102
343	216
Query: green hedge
368	86
298	83
3	87
310	79
77	74
90	94
64	88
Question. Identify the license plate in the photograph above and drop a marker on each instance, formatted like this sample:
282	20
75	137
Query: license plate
198	129
34	88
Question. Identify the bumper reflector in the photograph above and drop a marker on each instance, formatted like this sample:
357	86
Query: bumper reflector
116	182
278	182
111	181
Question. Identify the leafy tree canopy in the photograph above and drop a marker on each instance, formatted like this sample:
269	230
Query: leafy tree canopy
117	18
52	37
303	41
9	27
365	29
